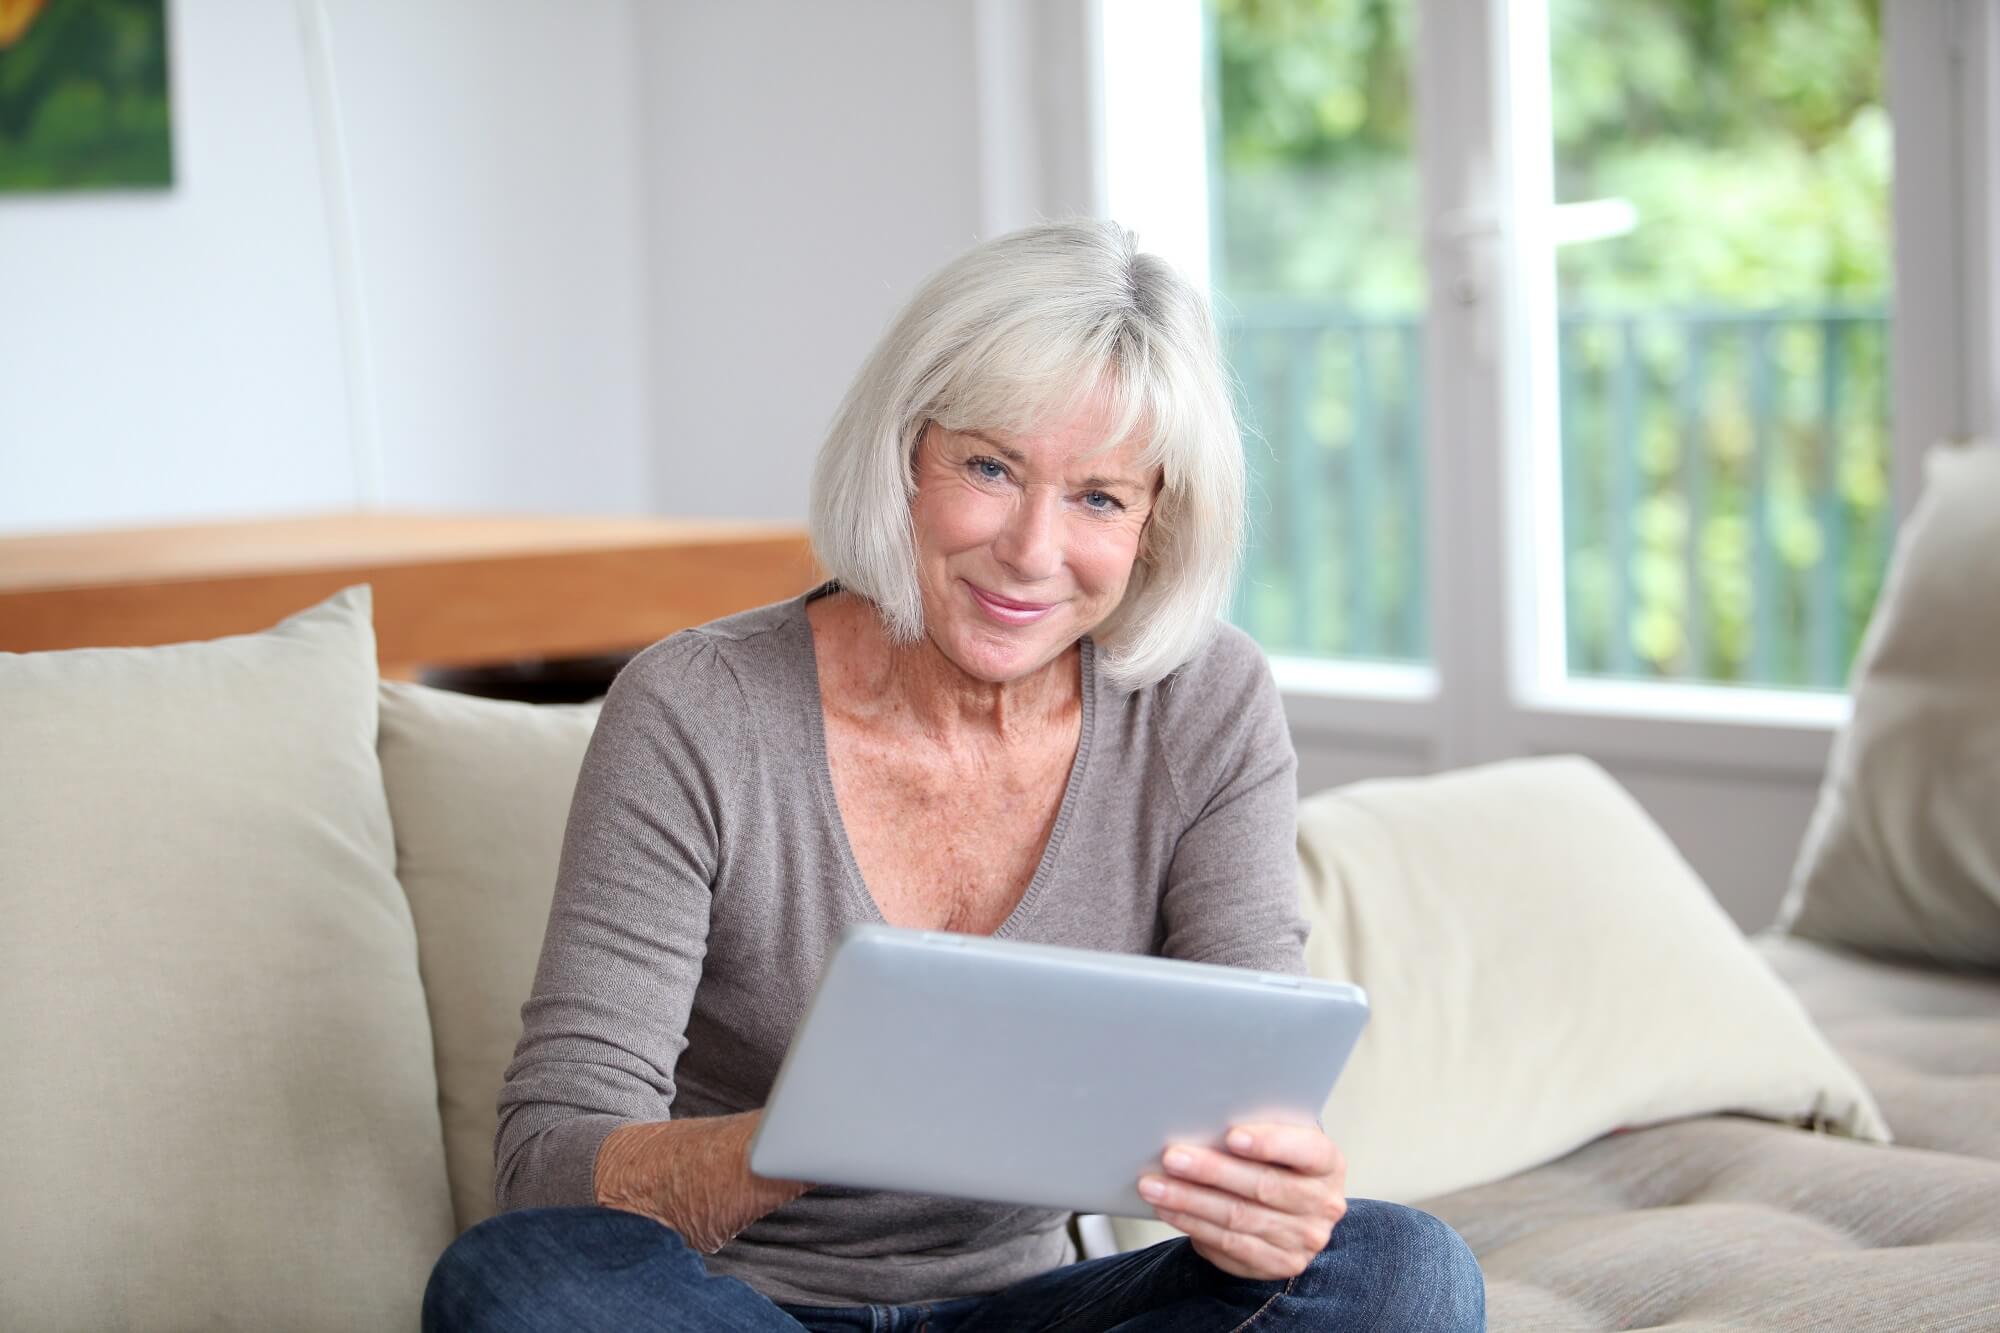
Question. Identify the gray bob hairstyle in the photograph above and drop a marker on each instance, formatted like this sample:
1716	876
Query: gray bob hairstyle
1016	334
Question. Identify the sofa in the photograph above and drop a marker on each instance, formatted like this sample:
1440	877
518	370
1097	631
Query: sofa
267	921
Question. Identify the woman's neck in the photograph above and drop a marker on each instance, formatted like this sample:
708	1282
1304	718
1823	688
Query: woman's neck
877	679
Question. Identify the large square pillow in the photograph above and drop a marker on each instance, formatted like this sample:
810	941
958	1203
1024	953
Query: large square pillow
1902	858
1543	968
479	790
220	1109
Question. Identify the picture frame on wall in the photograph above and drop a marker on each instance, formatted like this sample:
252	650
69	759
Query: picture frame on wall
84	99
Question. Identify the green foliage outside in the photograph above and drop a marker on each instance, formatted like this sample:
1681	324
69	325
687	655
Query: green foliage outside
1725	386
83	98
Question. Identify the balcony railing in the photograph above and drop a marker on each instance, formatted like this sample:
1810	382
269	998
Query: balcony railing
1725	488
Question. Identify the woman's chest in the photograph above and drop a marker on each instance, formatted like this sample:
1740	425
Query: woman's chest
948	841
932	856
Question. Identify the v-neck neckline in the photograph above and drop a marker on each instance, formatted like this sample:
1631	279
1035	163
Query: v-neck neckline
857	886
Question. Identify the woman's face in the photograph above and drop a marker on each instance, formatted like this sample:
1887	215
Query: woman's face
1024	544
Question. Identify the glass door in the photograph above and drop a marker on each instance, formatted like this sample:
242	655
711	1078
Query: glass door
1318	275
1720	241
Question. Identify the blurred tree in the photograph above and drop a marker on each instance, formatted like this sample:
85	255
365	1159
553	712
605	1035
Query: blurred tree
1750	135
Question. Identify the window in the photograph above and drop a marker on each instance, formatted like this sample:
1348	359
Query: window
1630	492
1718	226
1319	283
1722	257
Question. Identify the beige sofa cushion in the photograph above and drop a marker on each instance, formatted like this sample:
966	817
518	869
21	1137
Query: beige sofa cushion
1902	857
479	791
1543	968
220	1110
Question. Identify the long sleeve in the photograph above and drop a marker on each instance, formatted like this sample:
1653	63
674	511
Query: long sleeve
1232	885
627	933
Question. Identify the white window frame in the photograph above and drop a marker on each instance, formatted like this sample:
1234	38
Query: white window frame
1496	686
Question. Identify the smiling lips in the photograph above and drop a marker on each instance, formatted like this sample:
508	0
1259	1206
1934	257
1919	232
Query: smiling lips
1008	611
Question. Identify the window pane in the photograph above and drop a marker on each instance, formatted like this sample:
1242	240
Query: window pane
1723	269
1319	283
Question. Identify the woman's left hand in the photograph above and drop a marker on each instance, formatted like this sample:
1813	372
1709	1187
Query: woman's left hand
1262	1209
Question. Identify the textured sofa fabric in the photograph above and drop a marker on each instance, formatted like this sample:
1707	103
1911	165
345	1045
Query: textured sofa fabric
1926	1041
1723	1223
479	793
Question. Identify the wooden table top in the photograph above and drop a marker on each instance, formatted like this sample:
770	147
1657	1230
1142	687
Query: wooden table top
449	589
344	540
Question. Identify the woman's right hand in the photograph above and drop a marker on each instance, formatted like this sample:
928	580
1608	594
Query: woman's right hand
691	1175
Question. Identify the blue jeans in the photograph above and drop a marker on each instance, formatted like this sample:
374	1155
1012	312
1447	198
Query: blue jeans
1387	1267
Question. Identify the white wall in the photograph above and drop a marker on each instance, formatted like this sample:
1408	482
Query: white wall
176	352
502	247
179	354
603	257
808	165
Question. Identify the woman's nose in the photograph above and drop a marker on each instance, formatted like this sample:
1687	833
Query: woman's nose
1030	545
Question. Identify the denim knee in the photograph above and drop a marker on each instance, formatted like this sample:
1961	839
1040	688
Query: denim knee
508	1260
1421	1275
608	1236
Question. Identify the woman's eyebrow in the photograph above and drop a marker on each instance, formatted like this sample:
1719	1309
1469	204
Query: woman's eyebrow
1006	451
1014	455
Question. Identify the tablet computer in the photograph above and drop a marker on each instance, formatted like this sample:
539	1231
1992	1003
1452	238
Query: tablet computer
1032	1074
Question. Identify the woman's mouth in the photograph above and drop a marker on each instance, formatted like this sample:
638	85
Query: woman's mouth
1007	610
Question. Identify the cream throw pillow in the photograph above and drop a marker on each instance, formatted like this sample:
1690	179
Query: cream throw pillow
479	791
1543	968
219	1109
1902	856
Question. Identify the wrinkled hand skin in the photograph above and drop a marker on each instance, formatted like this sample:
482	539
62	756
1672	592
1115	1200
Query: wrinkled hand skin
691	1175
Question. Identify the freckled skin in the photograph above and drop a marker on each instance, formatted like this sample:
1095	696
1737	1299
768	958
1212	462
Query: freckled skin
950	756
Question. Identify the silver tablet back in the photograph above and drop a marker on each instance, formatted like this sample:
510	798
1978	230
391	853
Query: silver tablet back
1029	1074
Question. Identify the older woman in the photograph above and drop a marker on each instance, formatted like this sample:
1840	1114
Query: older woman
1011	711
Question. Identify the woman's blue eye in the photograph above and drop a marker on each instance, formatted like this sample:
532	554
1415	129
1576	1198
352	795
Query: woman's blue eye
1109	503
989	469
